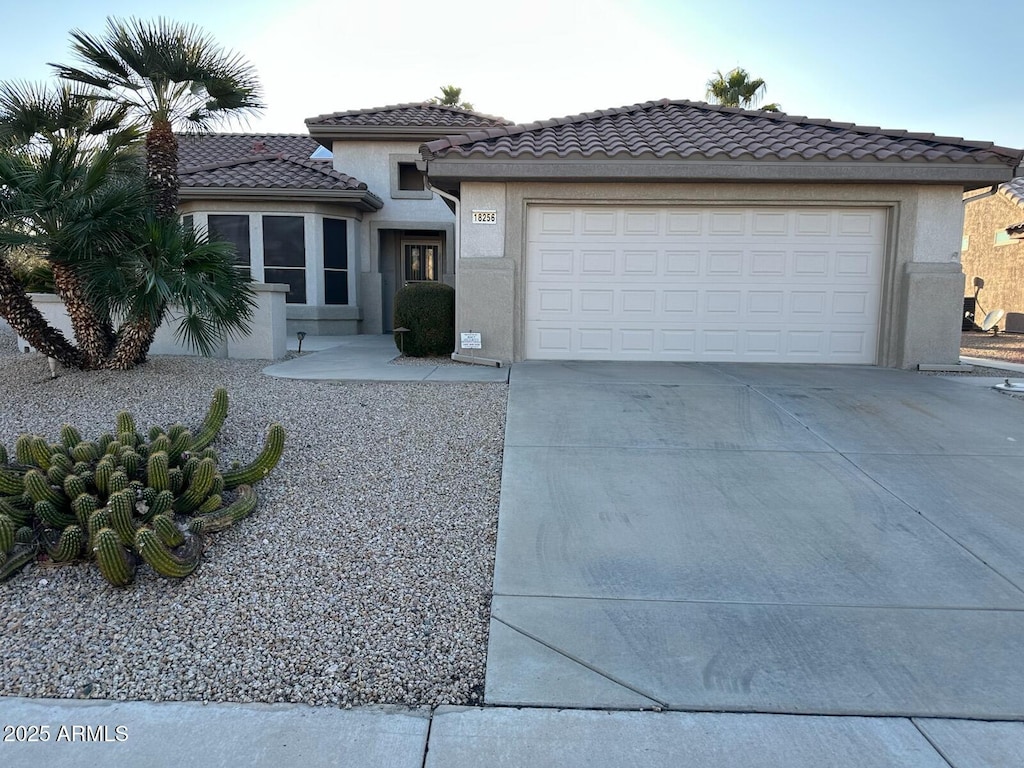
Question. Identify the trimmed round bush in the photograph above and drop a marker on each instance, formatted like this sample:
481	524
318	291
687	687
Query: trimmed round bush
428	311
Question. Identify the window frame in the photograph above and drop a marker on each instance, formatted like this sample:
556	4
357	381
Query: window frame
345	271
304	269
241	261
397	193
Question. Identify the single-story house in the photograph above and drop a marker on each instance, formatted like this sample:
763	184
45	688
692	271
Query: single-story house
993	250
670	230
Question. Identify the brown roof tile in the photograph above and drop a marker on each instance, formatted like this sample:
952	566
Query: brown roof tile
1014	190
215	147
257	161
687	129
266	171
418	115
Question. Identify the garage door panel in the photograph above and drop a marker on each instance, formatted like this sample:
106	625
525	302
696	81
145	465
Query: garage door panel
800	285
768	263
597	262
552	262
682	263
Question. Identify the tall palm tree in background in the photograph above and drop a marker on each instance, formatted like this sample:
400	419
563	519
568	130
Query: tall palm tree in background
736	89
167	76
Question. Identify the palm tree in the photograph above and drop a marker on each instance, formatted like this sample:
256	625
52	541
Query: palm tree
171	264
21	314
167	76
451	96
736	89
69	188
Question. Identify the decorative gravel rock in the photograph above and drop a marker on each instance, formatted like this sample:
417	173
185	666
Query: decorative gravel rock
363	576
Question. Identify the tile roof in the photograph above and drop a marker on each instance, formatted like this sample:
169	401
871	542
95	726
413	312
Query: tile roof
268	172
419	115
215	147
263	164
1014	190
695	130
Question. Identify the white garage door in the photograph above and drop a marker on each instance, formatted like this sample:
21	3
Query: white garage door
680	283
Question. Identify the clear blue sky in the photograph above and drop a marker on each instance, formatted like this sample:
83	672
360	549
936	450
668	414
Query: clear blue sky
938	66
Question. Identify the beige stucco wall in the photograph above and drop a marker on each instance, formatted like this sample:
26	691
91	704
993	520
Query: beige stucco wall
370	162
919	321
267	339
1001	266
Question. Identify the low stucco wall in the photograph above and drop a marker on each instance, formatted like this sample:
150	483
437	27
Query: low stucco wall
921	309
266	341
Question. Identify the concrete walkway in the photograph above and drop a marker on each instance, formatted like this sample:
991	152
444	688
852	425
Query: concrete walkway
84	734
829	556
368	358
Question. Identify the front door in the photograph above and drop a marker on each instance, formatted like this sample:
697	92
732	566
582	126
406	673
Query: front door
421	260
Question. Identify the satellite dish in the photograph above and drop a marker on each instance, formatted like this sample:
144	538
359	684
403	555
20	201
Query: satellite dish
991	319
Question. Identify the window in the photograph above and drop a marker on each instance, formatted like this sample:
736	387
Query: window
284	255
410	178
232	229
335	261
408	181
1003	238
421	261
187	222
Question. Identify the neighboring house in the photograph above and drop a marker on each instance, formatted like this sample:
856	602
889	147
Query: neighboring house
342	216
993	249
676	230
670	230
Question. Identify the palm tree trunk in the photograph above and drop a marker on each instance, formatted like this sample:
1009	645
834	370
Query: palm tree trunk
92	332
162	168
133	340
21	314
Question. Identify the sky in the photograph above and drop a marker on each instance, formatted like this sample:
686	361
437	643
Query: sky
935	66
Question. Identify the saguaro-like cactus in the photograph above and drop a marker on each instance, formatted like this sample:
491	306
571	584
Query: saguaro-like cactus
173	564
262	464
123	497
116	563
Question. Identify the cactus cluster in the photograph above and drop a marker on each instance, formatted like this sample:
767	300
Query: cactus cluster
125	498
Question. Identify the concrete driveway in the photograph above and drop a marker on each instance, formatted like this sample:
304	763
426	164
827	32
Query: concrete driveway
796	539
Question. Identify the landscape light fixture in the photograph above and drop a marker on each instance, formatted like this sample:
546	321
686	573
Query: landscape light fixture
401	338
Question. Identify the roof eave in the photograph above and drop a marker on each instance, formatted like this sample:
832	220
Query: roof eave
447	170
360	199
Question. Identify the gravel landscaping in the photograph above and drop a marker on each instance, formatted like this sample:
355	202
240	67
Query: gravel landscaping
364	575
1008	347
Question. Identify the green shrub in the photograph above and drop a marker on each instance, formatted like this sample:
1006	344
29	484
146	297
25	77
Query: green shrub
428	311
126	497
